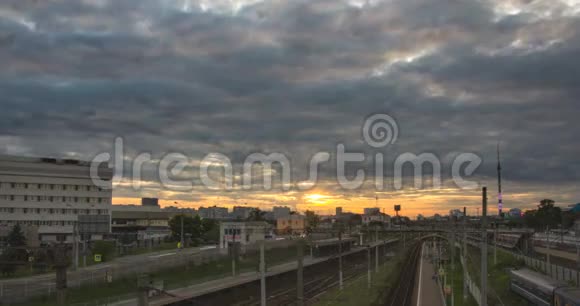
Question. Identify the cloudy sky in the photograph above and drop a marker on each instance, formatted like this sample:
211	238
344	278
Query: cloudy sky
297	78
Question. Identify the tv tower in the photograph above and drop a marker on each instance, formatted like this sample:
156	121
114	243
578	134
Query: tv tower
499	197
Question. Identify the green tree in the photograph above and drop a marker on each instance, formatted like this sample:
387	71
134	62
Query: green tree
9	260
210	230
531	220
257	215
548	214
15	253
191	227
16	237
312	219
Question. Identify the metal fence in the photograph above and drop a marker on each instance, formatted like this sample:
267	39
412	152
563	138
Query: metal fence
14	291
471	286
554	271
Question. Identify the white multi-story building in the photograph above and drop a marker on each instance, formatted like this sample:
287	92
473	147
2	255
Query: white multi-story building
242	233
52	195
382	218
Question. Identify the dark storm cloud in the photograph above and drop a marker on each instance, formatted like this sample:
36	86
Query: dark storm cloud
294	77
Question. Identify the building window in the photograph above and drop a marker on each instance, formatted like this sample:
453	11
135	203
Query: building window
88	188
76	199
38	186
25	198
77	187
51	187
11	198
26	186
51	211
38	210
50	199
25	210
12	185
63	187
88	200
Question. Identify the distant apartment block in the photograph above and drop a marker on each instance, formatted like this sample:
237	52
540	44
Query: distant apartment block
292	224
214	212
281	212
242	212
374	218
150	202
55	197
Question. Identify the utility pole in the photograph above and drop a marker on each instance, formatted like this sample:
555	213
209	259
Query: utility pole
181	236
548	266
377	249
465	289
453	264
233	251
377	258
61	280
495	245
340	284
262	275
484	248
143	290
85	252
369	267
577	256
300	275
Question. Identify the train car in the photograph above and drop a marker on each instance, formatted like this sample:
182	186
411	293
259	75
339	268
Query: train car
536	288
567	296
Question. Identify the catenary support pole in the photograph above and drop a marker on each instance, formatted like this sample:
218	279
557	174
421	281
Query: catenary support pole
483	273
262	275
340	283
369	267
300	275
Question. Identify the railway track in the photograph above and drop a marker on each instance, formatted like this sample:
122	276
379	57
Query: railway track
313	288
402	294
